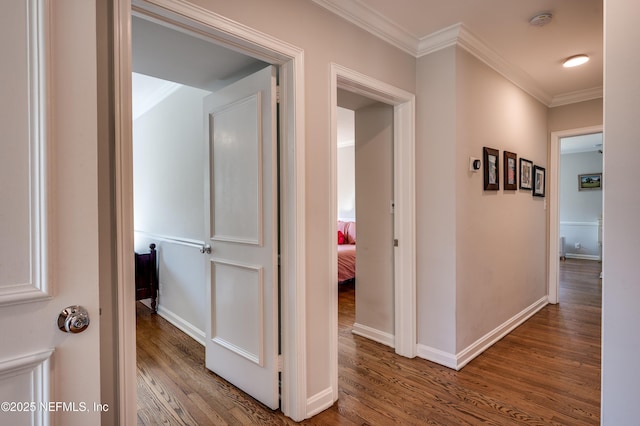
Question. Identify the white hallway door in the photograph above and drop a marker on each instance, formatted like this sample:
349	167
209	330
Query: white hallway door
48	212
242	228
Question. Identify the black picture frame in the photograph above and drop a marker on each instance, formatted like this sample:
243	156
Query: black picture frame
510	165
539	181
491	169
526	174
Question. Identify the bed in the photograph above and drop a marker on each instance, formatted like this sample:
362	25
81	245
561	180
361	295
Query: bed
147	276
346	251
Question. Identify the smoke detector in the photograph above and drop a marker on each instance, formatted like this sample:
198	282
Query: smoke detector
541	19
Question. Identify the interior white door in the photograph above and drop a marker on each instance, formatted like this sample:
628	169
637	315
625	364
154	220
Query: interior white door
242	226
48	212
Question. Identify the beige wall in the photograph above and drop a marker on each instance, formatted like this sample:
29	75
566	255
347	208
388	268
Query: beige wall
575	116
374	192
481	254
500	235
621	291
325	38
436	200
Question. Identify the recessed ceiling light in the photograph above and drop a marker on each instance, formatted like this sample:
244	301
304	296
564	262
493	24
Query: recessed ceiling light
541	19
574	61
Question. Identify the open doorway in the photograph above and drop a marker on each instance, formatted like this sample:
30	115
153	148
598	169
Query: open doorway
403	241
288	59
365	202
581	197
205	141
575	198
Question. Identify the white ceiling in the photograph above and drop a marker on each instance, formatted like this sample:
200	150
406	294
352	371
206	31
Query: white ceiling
497	31
165	58
582	143
174	55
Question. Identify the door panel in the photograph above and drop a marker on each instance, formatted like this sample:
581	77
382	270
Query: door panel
237	178
48	212
242	332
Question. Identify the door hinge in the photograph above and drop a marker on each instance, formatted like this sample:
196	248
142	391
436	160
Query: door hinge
395	242
280	363
277	94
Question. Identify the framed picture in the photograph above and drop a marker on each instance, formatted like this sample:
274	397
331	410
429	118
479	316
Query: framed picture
491	169
510	163
538	181
589	181
526	174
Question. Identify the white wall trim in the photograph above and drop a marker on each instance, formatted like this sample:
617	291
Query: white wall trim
190	242
291	60
553	197
185	326
373	22
125	309
404	218
320	402
436	355
374	334
577	96
462	358
569	223
582	256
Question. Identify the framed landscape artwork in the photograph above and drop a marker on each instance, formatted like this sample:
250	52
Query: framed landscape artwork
589	181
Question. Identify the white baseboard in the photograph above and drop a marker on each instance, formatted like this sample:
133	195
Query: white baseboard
185	326
582	256
374	334
436	355
463	357
319	402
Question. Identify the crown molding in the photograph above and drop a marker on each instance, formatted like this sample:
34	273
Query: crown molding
577	96
493	59
459	35
380	26
373	22
439	40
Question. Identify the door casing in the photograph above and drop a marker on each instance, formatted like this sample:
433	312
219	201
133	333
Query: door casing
290	59
404	217
553	284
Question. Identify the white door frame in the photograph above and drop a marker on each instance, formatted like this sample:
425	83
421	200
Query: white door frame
404	218
238	37
554	206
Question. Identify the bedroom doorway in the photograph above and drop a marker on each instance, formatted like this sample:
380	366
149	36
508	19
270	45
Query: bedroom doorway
401	107
365	202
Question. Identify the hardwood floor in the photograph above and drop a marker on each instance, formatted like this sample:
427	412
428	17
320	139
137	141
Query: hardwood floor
546	372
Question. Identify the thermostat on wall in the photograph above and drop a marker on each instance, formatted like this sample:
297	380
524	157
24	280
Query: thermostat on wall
474	164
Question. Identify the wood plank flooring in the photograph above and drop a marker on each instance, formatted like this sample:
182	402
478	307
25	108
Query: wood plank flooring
546	372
